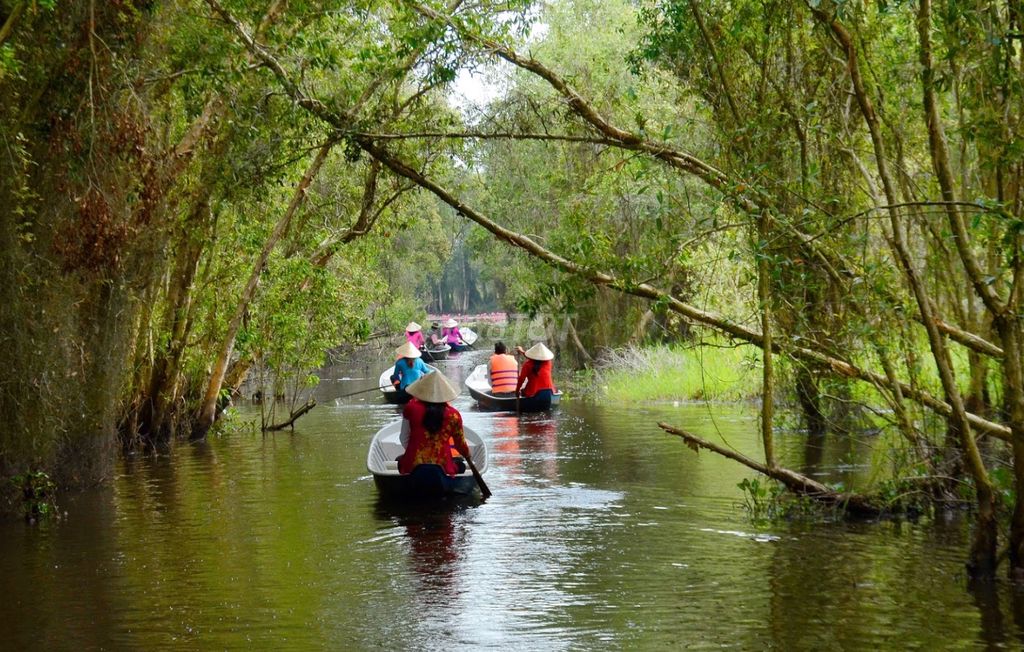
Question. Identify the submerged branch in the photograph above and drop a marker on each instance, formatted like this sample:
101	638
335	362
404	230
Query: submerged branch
310	404
795	482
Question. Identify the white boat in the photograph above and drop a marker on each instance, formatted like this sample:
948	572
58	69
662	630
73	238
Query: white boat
392	395
426	480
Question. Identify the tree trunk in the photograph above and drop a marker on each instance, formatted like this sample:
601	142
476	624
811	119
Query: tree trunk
810	401
767	377
207	412
1009	327
176	322
982	562
293	417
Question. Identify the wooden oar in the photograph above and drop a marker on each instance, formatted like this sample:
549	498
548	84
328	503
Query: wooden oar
479	478
518	411
362	391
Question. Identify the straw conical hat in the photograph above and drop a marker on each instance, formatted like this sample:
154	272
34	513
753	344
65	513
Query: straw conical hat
451	323
433	388
407	350
539	352
413	327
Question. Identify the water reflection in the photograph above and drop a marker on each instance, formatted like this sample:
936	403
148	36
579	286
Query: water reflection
995	631
504	448
539	442
434	545
603	533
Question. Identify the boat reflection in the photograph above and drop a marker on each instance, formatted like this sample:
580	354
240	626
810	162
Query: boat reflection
434	541
504	447
435	548
538	439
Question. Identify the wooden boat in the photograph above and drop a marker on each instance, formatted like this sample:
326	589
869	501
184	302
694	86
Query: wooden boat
480	390
392	395
436	354
426	480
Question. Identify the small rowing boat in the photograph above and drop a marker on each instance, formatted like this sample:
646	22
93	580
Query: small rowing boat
392	395
480	390
426	480
436	354
468	338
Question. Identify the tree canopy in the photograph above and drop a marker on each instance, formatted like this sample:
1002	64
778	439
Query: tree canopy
193	188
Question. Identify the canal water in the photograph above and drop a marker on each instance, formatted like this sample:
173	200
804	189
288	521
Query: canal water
603	533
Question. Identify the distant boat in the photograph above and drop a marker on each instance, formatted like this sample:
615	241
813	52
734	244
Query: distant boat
436	354
480	390
426	480
392	395
469	336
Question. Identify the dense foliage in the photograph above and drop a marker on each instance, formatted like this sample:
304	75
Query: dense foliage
192	188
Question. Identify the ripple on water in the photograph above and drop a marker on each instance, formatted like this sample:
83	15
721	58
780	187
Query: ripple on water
603	533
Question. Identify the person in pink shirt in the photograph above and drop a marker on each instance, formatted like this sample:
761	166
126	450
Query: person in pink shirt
414	335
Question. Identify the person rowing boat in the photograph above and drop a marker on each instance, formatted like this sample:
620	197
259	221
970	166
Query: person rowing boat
535	383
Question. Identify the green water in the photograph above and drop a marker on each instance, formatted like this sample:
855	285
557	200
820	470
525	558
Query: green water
603	533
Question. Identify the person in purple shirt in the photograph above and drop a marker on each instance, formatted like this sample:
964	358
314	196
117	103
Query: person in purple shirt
452	334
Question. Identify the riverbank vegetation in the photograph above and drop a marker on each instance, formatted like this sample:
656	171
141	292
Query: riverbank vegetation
674	373
191	188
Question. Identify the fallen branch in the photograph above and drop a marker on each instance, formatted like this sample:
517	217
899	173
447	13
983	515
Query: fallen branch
294	416
795	482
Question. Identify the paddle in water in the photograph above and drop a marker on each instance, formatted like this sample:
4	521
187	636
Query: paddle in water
479	478
362	391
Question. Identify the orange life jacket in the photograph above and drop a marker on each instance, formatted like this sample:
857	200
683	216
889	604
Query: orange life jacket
451	445
504	373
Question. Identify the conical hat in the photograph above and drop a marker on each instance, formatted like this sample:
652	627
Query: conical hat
412	327
407	350
433	388
451	323
539	352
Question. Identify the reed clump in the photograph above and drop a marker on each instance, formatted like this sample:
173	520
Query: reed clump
680	373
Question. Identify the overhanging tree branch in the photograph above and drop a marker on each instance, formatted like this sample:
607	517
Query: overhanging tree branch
644	290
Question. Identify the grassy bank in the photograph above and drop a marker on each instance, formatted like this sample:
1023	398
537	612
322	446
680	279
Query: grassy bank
667	373
717	372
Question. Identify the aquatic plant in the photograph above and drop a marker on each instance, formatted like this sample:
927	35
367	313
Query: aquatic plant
38	495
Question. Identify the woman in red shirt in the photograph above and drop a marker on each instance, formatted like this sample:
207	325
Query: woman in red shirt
536	375
431	428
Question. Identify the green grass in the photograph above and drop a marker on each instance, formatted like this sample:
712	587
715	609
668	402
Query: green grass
677	373
716	372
